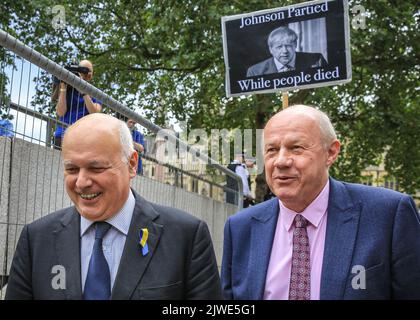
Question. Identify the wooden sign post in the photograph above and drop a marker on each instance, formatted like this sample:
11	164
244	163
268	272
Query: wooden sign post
285	99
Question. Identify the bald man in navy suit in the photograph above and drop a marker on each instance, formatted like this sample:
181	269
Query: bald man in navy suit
112	244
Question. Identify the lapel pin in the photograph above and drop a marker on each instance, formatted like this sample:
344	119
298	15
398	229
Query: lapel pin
144	235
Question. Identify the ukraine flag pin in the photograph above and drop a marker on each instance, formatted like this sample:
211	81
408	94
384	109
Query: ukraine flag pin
144	235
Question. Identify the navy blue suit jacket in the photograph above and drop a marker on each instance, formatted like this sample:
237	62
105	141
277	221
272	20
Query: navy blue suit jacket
376	228
180	264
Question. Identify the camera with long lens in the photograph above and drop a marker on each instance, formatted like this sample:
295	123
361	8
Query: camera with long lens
76	69
73	68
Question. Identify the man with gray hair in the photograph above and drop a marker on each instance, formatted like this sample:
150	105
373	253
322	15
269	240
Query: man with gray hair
282	43
319	238
112	244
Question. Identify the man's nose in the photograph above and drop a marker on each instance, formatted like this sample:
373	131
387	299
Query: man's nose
283	159
83	179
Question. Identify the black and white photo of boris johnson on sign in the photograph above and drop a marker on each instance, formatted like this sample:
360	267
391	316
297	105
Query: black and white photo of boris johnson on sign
298	46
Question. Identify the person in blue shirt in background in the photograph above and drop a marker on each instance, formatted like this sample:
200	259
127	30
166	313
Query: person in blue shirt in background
73	105
6	128
138	140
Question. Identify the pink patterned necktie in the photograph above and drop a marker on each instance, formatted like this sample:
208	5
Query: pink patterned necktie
300	277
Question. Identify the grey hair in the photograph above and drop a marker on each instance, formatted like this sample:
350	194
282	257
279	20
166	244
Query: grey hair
324	123
326	128
126	140
284	32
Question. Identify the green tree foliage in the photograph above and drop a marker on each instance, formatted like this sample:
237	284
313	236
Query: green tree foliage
166	58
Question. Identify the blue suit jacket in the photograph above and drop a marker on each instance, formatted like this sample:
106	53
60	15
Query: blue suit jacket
376	228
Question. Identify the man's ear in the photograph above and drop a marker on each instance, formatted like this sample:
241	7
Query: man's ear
333	151
132	164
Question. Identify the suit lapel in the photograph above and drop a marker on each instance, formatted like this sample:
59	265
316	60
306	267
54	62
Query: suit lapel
133	264
263	226
67	246
342	224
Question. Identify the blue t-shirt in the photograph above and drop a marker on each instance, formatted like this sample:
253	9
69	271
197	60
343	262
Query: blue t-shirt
76	109
6	128
139	138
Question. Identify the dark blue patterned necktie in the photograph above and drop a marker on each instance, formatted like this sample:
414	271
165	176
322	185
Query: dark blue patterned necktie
98	280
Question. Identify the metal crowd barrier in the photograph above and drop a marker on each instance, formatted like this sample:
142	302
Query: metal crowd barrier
31	173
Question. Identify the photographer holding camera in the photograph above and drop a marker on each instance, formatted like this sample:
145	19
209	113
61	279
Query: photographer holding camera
72	104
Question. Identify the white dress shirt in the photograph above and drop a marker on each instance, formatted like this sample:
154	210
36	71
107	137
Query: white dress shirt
241	171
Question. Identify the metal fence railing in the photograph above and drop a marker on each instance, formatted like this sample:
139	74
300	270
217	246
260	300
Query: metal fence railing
31	173
193	177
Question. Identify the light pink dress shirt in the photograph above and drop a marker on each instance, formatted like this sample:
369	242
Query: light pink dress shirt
278	274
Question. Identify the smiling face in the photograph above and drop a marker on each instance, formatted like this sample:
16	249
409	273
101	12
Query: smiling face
296	159
97	179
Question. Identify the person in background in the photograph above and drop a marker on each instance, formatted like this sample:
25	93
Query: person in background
73	105
249	166
138	140
238	166
6	128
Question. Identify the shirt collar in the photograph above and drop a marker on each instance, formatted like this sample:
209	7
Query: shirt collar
120	221
313	213
281	66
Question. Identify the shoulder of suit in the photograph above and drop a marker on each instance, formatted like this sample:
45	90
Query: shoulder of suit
370	195
248	213
173	216
261	64
369	191
52	220
163	215
313	55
